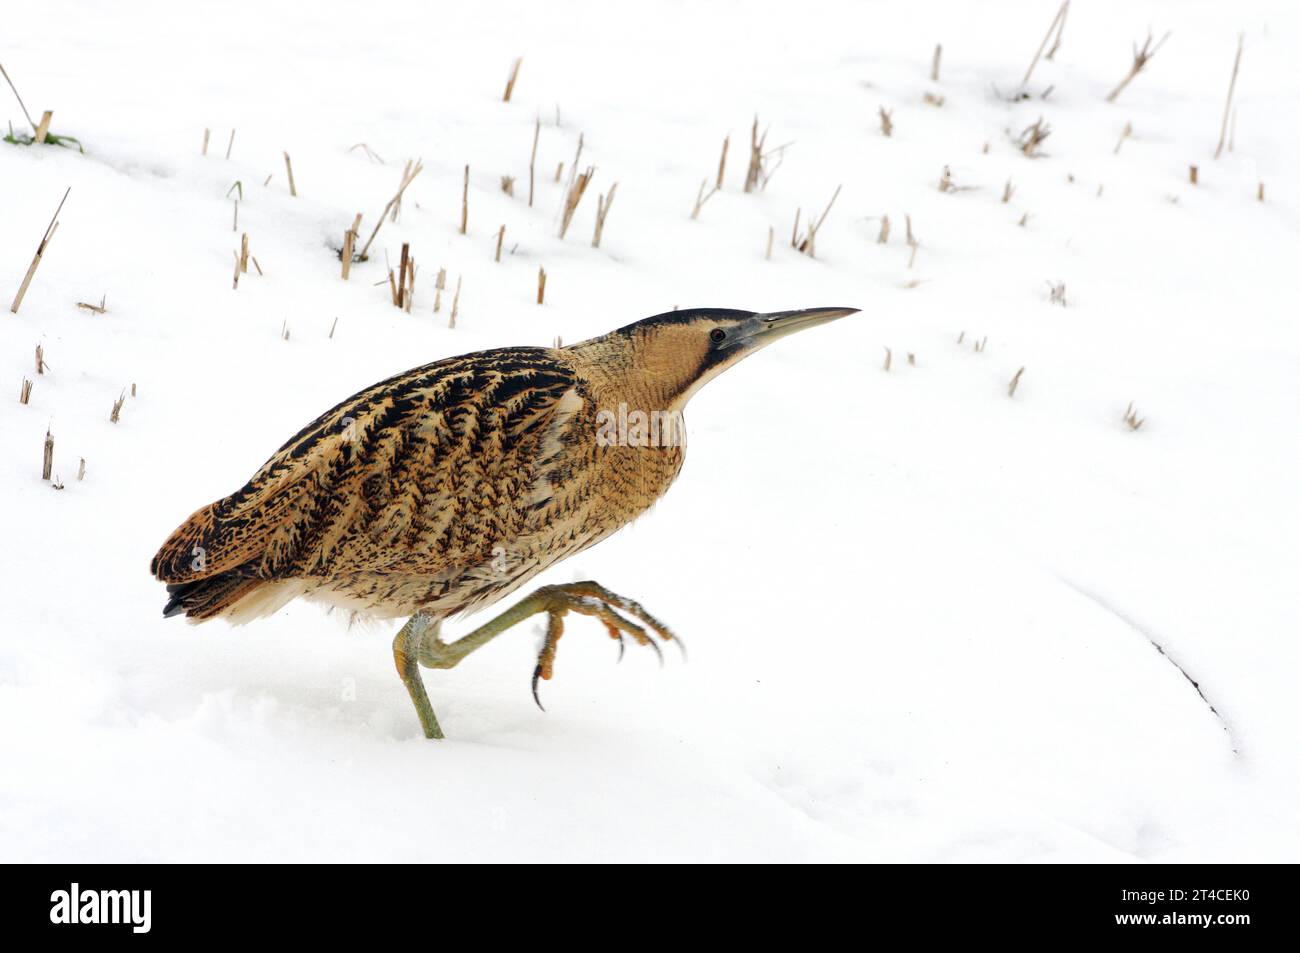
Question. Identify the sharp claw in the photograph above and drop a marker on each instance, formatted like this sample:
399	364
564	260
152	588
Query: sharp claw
537	674
658	651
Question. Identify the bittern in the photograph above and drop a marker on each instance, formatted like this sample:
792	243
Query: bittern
444	489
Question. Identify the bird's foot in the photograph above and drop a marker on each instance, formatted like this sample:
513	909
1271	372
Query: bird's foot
593	599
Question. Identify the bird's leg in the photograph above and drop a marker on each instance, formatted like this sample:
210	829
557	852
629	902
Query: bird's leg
584	598
406	653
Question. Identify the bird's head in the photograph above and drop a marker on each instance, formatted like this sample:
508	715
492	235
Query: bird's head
679	352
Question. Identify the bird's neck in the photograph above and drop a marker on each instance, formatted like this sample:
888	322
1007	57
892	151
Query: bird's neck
624	372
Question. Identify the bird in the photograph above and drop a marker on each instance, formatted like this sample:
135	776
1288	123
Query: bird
442	490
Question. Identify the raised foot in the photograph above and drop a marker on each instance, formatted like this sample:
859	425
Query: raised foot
593	599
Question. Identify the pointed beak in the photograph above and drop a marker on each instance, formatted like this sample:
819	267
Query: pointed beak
777	324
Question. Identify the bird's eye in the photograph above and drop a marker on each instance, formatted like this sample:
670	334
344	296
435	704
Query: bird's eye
717	335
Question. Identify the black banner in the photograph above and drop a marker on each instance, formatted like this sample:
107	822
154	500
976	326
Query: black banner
144	904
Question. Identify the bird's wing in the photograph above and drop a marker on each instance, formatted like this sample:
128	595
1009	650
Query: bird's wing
422	472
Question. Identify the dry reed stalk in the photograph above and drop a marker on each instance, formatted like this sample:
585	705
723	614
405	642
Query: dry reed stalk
1232	85
40	359
883	237
403	265
349	243
21	104
701	197
1260	194
236	284
541	285
1015	382
809	246
1060	30
576	191
755	169
243	253
370	153
532	159
439	286
207	133
508	185
253	259
934	63
1033	137
573	169
332	327
47	463
455	303
1008	190
771	237
1140	59
25	392
603	202
1131	418
231	144
889	359
510	83
1124	134
408	176
43	127
101	308
116	412
288	167
81	469
1192	175
464	203
886	121
722	162
501	237
40	252
1058	19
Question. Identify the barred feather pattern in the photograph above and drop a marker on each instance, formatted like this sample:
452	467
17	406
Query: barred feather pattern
440	490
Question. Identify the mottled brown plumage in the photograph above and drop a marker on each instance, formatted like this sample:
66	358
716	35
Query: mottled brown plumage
443	489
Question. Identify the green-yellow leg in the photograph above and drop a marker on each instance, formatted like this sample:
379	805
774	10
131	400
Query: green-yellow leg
406	653
418	642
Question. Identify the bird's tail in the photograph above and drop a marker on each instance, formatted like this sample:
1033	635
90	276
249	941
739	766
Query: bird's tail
210	597
237	595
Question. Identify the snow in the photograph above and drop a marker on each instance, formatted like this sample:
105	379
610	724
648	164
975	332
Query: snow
920	613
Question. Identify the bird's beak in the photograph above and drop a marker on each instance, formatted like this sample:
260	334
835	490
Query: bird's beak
766	328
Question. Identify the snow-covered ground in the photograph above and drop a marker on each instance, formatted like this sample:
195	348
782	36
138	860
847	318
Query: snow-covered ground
921	613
